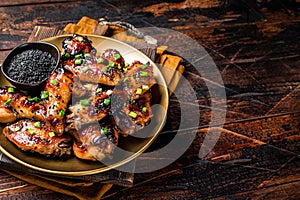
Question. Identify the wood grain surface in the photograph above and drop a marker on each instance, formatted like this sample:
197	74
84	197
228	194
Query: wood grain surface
255	45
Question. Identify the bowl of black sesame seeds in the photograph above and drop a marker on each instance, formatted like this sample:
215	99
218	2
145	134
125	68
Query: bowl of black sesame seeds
29	65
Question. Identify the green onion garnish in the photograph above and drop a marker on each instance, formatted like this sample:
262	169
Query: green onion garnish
10	90
117	56
84	102
139	91
67	55
8	101
124	104
33	99
100	60
44	95
144	66
144	109
54	82
119	66
143	73
145	87
99	90
78	61
127	64
51	134
78	56
103	131
111	64
87	55
125	79
37	124
106	102
17	128
105	69
132	114
61	113
85	69
31	131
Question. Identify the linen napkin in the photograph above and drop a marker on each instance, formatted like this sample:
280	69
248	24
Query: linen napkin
93	187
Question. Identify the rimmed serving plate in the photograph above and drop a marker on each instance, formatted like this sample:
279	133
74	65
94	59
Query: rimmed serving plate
128	148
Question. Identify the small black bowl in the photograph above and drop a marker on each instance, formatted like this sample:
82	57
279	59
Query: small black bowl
42	46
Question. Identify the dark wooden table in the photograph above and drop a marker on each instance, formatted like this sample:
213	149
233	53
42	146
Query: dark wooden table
255	45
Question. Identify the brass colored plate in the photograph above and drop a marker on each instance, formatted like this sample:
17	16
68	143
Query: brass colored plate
130	147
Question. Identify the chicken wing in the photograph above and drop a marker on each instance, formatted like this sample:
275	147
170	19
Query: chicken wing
13	101
96	141
39	137
58	93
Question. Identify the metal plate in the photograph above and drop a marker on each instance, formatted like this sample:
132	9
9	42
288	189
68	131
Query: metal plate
129	147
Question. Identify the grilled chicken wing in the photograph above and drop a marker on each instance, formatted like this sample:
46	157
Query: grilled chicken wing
96	141
138	79
90	110
59	90
39	137
135	114
76	44
95	70
23	106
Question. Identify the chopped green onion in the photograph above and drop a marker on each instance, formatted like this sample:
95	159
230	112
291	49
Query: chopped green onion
41	103
144	66
137	78
103	131
44	95
125	79
106	102
51	134
127	64
31	131
78	61
67	55
125	69
139	91
144	109
117	56
100	60
8	101
99	90
133	101
61	113
33	99
132	114
37	124
10	90
31	151
54	82
111	64
85	69
17	128
145	87
119	66
105	69
124	104
87	55
143	73
84	102
78	56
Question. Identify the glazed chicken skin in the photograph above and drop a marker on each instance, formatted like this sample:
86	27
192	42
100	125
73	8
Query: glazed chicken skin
58	92
96	70
76	44
39	137
96	141
91	109
134	115
138	80
15	104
